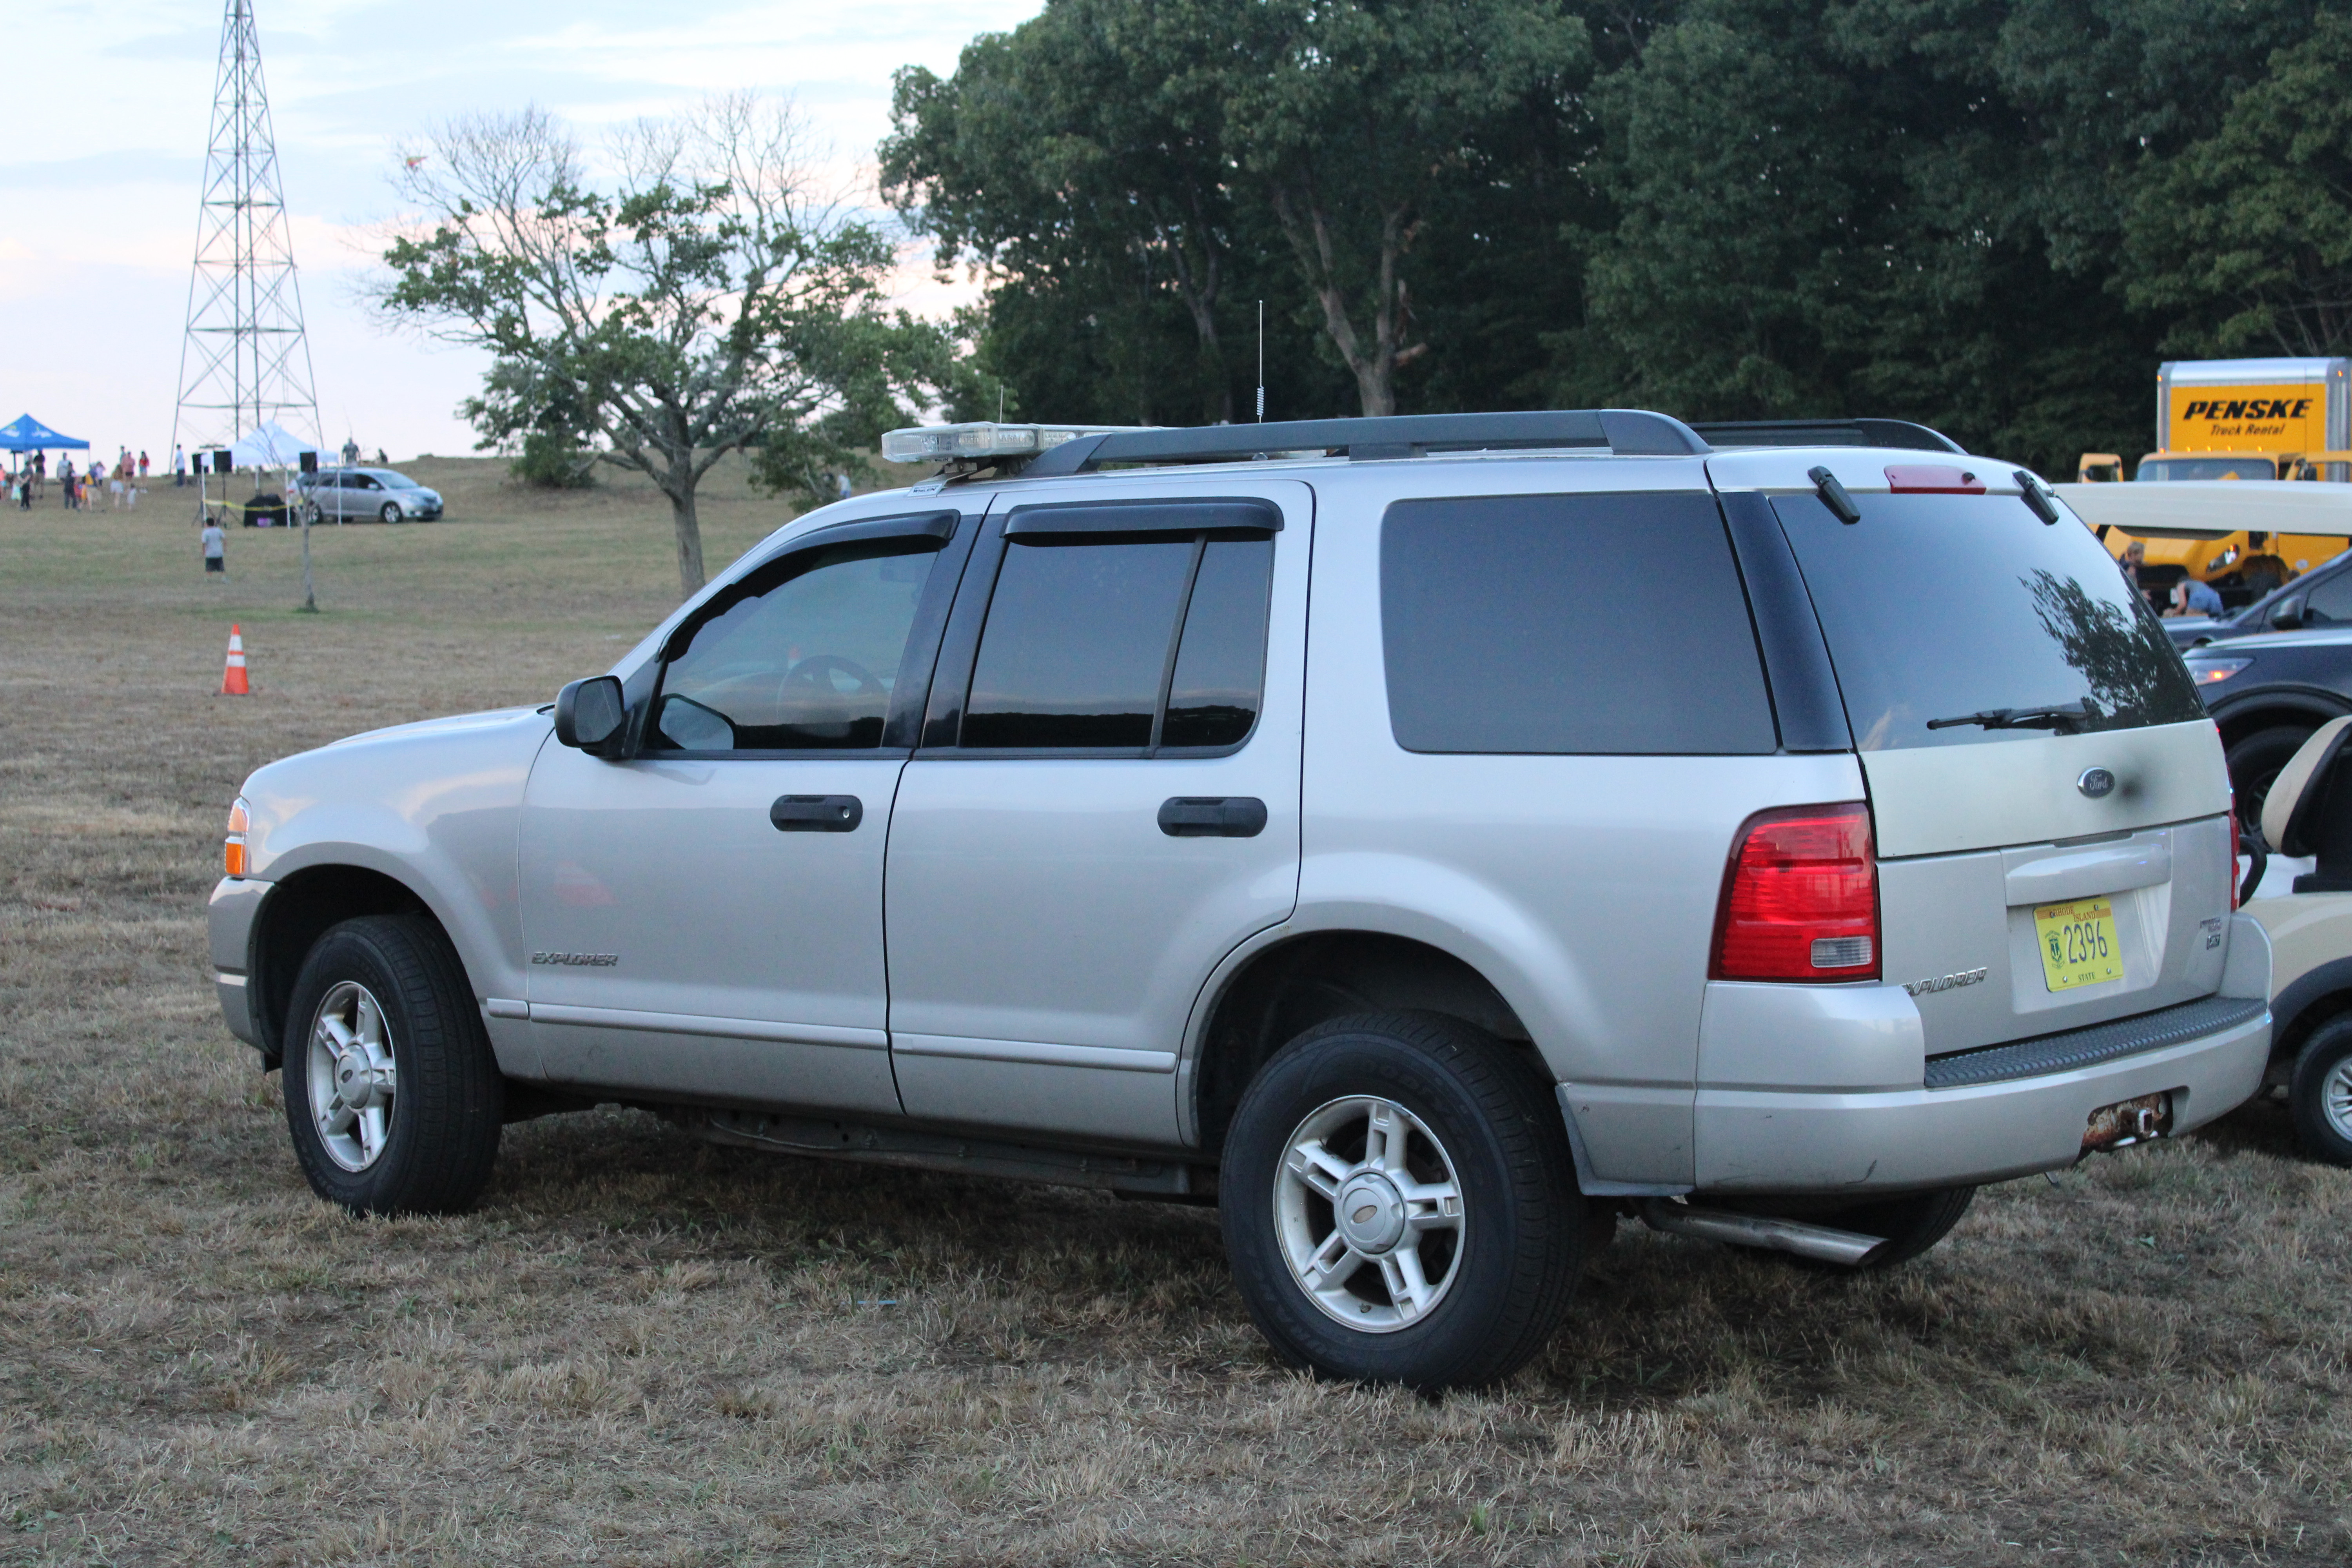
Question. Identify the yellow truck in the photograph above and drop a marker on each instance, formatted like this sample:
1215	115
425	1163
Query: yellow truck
2222	422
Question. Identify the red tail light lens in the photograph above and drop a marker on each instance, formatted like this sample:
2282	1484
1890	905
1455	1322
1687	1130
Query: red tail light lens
1799	897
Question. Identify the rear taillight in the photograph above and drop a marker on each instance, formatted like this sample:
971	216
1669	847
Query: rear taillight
1799	897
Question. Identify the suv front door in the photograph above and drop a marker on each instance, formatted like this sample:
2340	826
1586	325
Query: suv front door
1106	803
706	916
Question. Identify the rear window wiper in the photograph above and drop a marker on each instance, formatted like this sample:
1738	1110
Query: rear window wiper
2068	717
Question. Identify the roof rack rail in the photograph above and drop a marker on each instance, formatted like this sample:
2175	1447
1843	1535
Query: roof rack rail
1624	432
1897	433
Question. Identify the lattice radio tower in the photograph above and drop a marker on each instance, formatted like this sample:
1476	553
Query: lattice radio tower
246	359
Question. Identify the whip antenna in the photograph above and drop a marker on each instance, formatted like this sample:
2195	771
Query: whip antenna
1261	362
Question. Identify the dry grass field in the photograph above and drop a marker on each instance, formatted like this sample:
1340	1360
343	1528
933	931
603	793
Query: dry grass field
643	1350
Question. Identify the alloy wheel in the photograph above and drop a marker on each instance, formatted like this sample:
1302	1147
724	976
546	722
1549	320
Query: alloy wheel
1369	1215
353	1076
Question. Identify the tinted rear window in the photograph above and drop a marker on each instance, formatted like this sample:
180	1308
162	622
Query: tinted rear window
1569	624
1936	606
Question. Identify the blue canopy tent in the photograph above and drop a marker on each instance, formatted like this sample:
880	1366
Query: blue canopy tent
27	433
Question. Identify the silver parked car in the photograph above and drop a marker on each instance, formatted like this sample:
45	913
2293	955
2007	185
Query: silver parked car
360	495
1433	838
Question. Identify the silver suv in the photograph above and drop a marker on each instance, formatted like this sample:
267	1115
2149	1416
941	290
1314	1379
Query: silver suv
1431	839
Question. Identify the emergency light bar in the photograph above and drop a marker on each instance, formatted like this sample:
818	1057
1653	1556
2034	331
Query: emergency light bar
983	440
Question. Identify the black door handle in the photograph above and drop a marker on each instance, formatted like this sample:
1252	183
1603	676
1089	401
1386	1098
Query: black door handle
1212	816
817	813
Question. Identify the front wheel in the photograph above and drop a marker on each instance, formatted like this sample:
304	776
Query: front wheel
2320	1092
1399	1204
391	512
392	1093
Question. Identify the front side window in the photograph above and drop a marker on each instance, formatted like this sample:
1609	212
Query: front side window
1126	643
811	663
2331	602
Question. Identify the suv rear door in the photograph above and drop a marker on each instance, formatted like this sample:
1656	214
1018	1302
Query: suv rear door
1106	801
2106	833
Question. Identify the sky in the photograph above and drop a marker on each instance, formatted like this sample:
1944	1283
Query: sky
107	116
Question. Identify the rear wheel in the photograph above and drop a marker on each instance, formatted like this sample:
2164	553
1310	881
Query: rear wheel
2255	763
392	1093
2320	1092
1400	1203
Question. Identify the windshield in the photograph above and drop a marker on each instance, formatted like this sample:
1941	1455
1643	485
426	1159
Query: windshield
1941	607
2230	468
392	481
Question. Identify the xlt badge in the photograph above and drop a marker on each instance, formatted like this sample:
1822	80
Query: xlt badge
584	960
1945	981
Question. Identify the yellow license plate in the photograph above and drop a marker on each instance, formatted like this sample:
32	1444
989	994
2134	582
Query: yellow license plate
2078	944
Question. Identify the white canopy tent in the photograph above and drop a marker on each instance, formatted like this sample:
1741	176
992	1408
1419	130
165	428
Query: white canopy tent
270	445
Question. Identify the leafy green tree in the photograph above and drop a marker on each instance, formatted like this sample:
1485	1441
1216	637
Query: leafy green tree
1352	115
708	301
1081	155
2247	233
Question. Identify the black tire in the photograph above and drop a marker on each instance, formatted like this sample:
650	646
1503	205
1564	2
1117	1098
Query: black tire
2323	1136
2255	763
391	513
1510	1269
441	1131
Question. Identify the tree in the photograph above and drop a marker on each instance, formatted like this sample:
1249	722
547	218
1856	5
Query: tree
706	299
1081	154
2247	233
1352	115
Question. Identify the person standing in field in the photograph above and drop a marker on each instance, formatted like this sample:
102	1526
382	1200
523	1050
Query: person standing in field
40	476
179	466
143	465
215	543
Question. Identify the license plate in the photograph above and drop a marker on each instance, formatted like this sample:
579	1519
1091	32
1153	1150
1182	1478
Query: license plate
2078	944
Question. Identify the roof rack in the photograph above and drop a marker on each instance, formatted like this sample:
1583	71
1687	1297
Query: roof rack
1623	432
1897	433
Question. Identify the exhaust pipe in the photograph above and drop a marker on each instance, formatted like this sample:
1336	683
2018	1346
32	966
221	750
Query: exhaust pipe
1815	1241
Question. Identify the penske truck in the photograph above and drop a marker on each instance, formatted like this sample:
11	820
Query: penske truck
2220	423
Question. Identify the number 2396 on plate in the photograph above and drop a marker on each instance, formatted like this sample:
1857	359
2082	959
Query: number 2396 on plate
2078	944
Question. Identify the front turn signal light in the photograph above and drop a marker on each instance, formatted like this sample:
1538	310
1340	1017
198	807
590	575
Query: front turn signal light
233	852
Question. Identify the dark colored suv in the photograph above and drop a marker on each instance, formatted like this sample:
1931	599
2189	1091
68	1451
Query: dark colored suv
2320	598
2270	692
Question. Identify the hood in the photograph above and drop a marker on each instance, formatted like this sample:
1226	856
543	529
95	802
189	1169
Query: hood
2333	636
453	724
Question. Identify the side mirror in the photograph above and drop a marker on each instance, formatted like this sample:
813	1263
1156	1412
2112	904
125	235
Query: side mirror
2287	615
590	715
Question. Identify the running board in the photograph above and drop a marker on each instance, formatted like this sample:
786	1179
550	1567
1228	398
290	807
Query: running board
1815	1241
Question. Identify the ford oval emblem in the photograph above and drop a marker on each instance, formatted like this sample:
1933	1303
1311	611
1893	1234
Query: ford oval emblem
2096	783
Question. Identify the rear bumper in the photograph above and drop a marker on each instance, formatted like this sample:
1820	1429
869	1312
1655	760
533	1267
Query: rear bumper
1796	1140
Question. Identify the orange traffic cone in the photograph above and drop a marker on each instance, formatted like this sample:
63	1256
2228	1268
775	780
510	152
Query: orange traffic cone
232	677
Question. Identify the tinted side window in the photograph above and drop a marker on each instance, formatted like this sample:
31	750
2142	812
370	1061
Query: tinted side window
1559	624
1082	647
2331	601
1076	639
1213	698
810	663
